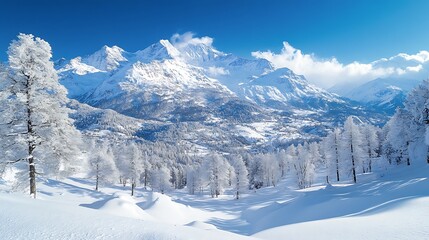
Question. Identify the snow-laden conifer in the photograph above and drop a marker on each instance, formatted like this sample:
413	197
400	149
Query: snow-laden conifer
37	127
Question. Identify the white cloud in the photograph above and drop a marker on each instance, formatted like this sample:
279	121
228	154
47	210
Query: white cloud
183	40
217	71
329	72
417	68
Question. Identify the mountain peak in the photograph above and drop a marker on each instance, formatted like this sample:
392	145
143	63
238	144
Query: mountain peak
107	58
163	49
199	52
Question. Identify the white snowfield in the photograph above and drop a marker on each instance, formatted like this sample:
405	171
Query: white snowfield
395	206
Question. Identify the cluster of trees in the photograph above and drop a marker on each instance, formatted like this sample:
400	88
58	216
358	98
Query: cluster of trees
340	156
38	138
164	167
359	147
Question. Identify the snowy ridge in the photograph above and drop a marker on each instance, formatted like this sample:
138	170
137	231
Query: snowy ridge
78	67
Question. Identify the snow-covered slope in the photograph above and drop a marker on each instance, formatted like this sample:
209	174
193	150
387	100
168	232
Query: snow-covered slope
24	218
390	204
393	207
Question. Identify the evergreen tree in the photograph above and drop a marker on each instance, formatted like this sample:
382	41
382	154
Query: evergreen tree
371	145
161	178
417	105
216	165
241	181
304	166
41	132
331	145
351	149
102	163
398	136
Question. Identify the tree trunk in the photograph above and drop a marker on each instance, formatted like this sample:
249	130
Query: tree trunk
32	177
145	178
408	154
427	158
97	177
353	164
336	159
31	143
370	165
133	185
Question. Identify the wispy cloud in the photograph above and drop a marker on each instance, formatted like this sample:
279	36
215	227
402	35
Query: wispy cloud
188	38
329	72
216	71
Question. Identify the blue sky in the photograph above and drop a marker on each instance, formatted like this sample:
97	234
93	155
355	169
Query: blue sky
362	30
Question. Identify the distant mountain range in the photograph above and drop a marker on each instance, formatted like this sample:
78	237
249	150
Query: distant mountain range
195	86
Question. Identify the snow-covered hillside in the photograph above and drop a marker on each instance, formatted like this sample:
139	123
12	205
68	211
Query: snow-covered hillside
392	205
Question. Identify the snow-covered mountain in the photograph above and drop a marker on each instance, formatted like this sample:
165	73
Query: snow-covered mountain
384	94
194	82
283	87
393	78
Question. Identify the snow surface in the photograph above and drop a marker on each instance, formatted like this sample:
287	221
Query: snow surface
393	204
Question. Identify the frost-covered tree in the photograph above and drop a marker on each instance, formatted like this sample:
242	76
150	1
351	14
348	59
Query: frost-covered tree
102	163
399	136
315	161
256	172
283	162
304	166
417	102
270	169
136	166
130	163
191	179
331	147
417	105
371	145
351	150
215	166
195	179
146	166
40	129
161	178
290	157
240	179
